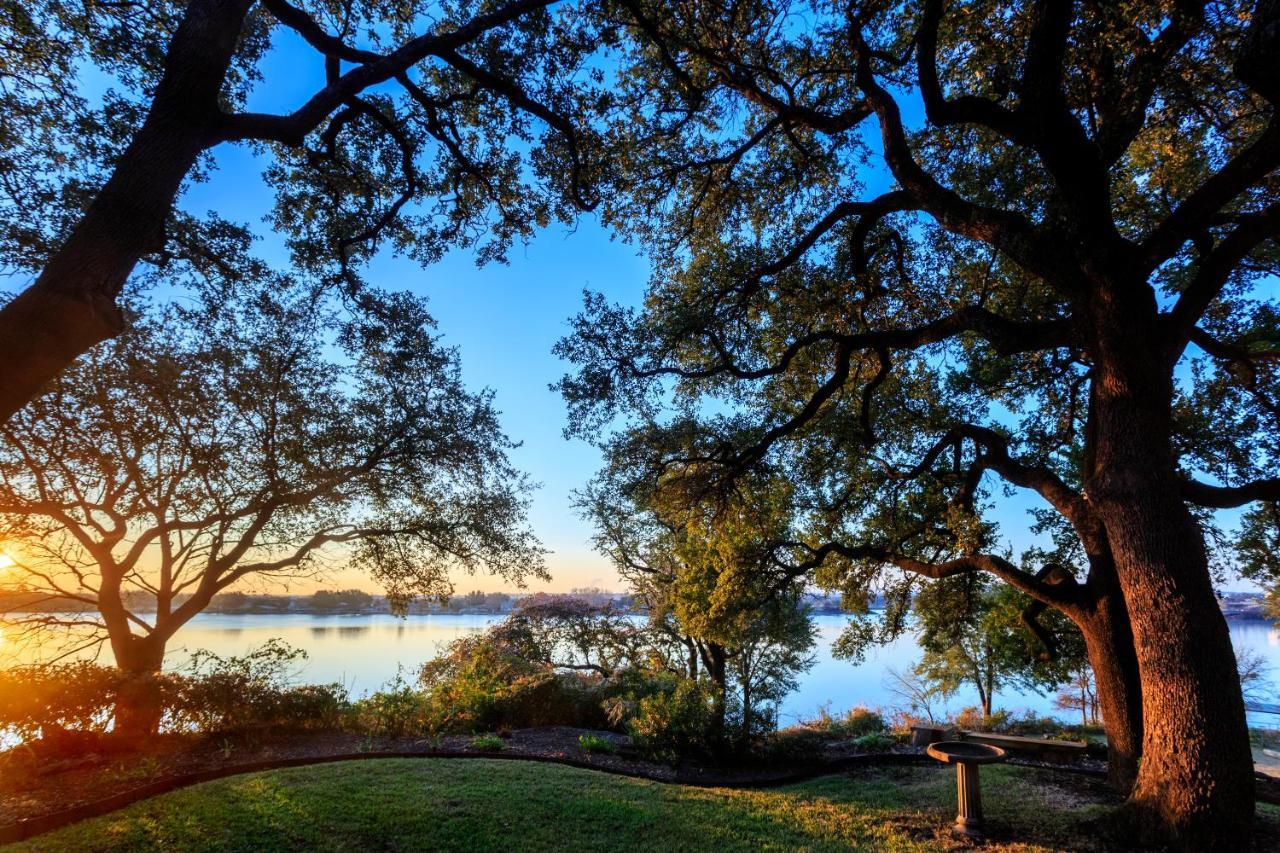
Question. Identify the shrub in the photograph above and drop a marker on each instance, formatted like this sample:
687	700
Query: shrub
672	724
36	700
800	744
223	694
855	722
397	710
596	744
488	743
973	719
481	684
64	704
874	742
861	721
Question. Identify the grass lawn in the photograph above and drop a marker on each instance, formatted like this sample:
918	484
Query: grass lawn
478	804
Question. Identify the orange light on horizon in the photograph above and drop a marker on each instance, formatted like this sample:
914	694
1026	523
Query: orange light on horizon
6	561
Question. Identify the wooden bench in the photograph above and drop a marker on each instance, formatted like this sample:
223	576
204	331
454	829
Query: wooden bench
1058	751
926	735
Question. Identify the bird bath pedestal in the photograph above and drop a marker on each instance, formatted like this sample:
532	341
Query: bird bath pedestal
966	757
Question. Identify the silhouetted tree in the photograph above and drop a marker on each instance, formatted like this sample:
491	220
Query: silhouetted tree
431	124
257	433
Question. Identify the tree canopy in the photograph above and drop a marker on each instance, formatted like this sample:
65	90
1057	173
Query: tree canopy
255	430
428	125
913	256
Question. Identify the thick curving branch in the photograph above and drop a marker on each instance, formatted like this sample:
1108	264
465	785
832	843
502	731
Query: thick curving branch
1230	497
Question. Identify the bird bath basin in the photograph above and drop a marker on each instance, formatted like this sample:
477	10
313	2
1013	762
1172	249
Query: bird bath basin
966	756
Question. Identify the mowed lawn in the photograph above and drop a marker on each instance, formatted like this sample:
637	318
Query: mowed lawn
478	804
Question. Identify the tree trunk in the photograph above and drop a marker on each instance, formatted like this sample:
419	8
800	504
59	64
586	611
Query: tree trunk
139	706
1108	642
715	666
1195	784
71	306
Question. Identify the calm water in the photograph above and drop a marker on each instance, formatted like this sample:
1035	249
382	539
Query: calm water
364	652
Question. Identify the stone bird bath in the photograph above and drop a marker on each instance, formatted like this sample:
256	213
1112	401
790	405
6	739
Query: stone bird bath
966	756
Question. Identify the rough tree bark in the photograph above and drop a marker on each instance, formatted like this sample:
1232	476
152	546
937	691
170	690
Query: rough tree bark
139	706
72	304
1109	646
1195	784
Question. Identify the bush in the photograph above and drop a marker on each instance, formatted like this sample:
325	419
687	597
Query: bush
239	693
66	703
397	710
596	744
855	722
676	723
874	742
488	743
481	684
800	744
35	700
974	720
861	721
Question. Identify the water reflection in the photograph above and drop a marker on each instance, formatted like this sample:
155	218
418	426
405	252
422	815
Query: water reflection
365	652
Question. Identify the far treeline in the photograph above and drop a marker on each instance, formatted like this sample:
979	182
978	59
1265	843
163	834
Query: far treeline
907	260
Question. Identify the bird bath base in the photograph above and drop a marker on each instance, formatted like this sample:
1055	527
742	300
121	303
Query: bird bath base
966	756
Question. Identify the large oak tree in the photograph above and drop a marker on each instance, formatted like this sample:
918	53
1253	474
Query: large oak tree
435	124
256	432
915	255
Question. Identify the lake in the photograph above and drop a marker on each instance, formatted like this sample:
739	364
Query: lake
364	652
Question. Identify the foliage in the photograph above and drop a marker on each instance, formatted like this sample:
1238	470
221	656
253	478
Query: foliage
596	744
855	722
349	600
396	710
79	696
976	719
713	613
485	682
874	742
239	693
973	632
488	743
675	723
214	695
1058	276
276	435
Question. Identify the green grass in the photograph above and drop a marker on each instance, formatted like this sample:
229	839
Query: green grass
466	804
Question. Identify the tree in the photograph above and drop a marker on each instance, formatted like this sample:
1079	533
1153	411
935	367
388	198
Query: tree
1060	288
345	600
1080	694
262	432
423	134
568	633
972	632
919	695
699	577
